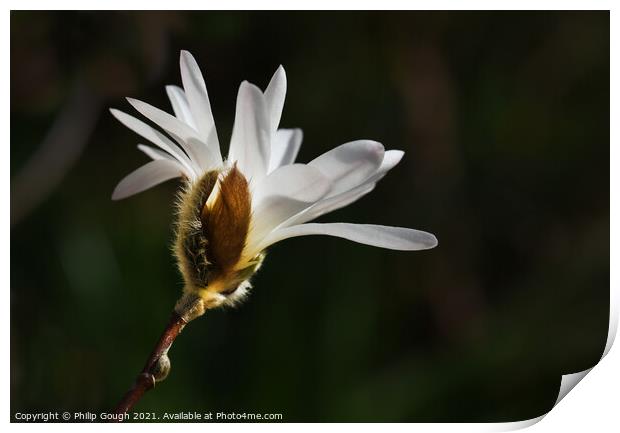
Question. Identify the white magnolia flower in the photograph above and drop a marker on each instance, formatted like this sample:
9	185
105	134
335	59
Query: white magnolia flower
232	209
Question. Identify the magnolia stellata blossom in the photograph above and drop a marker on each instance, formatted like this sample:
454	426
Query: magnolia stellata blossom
231	210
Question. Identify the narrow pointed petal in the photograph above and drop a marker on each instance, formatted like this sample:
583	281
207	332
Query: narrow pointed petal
329	204
249	144
349	165
180	106
284	147
393	238
339	201
151	174
274	97
165	120
155	154
155	137
184	134
198	98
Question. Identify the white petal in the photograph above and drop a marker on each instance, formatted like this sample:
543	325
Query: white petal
165	120
390	159
186	137
274	97
271	211
334	202
155	154
284	147
350	164
330	204
394	238
180	105
285	192
338	201
151	174
249	144
157	138
210	161
196	92
341	200
296	181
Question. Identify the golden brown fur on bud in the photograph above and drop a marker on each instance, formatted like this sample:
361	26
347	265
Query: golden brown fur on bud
191	246
226	222
214	221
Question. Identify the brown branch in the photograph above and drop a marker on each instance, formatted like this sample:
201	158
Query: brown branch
156	367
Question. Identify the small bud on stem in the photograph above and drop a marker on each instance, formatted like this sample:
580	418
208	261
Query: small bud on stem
157	366
161	368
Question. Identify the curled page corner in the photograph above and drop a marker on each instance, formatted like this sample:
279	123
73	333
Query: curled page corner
569	381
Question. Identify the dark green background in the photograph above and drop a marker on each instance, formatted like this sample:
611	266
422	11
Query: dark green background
504	118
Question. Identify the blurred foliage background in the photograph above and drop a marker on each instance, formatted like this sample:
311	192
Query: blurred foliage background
504	117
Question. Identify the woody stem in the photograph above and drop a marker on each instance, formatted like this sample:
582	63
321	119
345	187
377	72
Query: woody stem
152	369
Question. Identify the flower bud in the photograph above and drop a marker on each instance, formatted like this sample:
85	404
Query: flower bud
161	368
